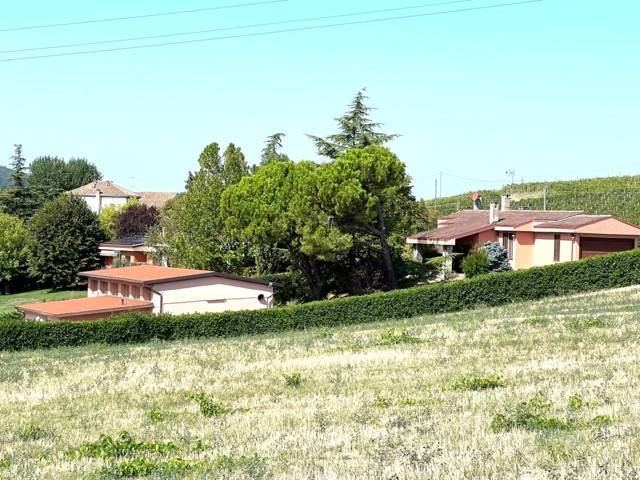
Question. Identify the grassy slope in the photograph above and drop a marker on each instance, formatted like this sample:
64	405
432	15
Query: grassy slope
372	403
618	196
9	302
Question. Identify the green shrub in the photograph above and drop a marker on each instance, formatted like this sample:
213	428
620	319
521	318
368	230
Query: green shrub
476	263
123	446
208	406
613	271
389	336
293	379
479	383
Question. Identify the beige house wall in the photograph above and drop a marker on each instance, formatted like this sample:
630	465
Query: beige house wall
214	294
201	295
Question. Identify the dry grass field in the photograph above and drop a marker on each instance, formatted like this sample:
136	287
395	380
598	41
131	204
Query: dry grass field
547	390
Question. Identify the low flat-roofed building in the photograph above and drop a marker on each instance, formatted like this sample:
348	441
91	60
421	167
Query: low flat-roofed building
89	308
157	289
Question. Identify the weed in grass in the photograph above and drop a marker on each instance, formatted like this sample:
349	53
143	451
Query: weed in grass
324	332
536	321
576	403
479	383
123	446
382	402
4	463
143	467
530	415
155	415
585	323
33	433
208	406
534	415
391	336
414	402
293	379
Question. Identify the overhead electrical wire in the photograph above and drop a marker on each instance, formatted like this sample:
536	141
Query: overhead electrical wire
238	27
136	17
272	32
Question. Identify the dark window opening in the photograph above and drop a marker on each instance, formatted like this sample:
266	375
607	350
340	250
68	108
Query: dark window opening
556	248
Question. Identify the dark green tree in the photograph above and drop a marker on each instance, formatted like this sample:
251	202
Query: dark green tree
367	190
64	238
277	207
476	263
235	166
272	149
355	130
16	200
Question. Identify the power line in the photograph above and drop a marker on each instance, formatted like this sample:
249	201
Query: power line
136	17
238	27
271	32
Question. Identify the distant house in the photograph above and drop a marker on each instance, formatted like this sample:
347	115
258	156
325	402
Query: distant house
156	289
104	193
126	251
530	237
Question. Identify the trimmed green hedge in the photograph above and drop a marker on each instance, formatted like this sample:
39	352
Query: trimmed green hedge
618	270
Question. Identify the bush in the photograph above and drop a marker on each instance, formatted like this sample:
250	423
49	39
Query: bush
476	263
497	257
618	270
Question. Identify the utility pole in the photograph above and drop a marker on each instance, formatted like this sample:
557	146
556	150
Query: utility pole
435	193
544	197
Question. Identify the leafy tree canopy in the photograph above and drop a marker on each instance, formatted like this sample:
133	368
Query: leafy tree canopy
13	249
64	240
364	190
355	130
277	206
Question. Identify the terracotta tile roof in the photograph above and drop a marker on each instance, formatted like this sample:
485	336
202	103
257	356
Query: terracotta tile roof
85	306
106	188
469	222
574	222
153	274
156	199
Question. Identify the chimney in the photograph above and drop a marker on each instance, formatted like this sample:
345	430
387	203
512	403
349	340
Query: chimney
477	201
505	203
493	213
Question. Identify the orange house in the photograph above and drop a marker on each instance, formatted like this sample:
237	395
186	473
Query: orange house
532	238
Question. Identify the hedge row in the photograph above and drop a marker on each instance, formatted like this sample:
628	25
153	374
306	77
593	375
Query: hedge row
618	270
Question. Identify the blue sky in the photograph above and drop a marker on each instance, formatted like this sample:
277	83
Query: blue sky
549	89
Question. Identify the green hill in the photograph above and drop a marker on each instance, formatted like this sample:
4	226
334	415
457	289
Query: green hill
5	176
619	196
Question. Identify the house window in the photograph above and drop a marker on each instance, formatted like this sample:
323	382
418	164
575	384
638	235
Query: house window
508	240
146	294
104	288
124	290
93	285
135	292
556	248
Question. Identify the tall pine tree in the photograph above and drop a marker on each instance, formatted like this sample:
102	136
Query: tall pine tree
356	130
17	200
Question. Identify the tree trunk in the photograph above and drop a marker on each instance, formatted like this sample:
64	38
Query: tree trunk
310	272
386	251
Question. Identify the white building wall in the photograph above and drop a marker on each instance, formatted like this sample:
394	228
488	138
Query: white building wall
92	202
212	294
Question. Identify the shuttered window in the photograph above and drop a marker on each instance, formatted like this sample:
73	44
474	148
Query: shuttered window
556	248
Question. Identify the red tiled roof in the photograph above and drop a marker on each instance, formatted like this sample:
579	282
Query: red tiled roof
469	222
576	221
153	274
85	306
